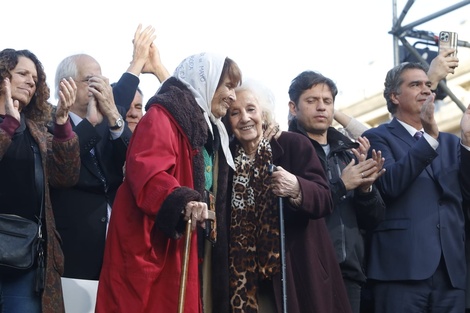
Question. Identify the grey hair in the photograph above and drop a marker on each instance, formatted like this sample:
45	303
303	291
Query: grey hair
263	94
393	81
67	68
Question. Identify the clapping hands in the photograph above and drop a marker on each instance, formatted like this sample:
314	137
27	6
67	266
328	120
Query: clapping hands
67	95
12	107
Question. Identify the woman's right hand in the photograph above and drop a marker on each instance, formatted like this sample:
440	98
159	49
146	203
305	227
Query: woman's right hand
198	213
67	95
12	107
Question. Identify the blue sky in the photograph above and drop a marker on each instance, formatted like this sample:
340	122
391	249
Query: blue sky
347	41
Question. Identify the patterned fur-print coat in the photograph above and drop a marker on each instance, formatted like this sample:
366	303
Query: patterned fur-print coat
313	277
61	163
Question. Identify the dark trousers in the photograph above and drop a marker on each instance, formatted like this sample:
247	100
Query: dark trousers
353	288
434	294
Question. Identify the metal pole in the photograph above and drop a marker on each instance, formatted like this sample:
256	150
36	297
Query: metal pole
282	246
435	15
396	26
282	235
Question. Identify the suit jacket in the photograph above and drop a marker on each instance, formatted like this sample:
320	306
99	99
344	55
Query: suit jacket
423	190
81	211
124	90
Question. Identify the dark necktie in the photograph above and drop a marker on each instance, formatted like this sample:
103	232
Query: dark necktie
418	135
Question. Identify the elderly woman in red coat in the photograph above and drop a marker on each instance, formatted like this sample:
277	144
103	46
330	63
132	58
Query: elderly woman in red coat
313	277
171	160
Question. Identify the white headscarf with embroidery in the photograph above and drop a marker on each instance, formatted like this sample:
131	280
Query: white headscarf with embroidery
201	74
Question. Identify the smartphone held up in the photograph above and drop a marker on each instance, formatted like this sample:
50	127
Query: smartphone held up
448	40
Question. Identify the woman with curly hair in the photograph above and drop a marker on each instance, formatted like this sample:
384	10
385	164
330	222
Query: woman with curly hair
24	113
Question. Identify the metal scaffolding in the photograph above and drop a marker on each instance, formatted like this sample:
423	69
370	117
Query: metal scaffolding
401	33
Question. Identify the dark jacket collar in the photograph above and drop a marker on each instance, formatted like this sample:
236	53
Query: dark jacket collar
336	140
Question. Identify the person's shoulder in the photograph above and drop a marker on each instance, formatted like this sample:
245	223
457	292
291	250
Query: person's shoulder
295	143
156	110
288	137
376	130
449	137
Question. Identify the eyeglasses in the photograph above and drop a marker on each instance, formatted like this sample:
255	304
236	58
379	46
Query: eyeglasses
85	80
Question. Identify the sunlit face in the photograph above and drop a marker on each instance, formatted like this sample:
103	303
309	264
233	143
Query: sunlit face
246	118
315	109
414	90
23	81
135	113
223	98
87	67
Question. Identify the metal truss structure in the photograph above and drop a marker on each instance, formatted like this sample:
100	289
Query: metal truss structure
401	33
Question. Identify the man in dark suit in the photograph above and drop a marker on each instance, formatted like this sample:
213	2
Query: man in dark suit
417	255
82	212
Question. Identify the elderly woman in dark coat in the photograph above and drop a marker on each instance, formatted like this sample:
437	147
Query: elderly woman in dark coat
24	113
314	282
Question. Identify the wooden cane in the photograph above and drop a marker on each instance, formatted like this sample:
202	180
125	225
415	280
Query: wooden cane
184	269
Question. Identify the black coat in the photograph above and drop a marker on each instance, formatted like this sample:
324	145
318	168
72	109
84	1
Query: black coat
354	212
81	211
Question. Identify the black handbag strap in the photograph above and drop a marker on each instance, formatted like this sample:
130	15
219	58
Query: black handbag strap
39	175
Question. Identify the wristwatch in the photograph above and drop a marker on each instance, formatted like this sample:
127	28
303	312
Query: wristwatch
119	124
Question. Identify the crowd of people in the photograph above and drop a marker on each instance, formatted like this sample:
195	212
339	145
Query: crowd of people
203	204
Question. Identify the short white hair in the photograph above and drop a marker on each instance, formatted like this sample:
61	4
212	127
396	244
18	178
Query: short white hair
263	94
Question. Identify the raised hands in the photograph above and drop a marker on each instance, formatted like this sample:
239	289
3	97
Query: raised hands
102	96
142	40
427	117
154	64
442	65
93	114
366	171
371	175
146	57
364	146
12	107
67	95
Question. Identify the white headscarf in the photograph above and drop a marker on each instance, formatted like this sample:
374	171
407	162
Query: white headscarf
201	74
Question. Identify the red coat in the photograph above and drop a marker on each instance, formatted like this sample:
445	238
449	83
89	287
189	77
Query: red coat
142	261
